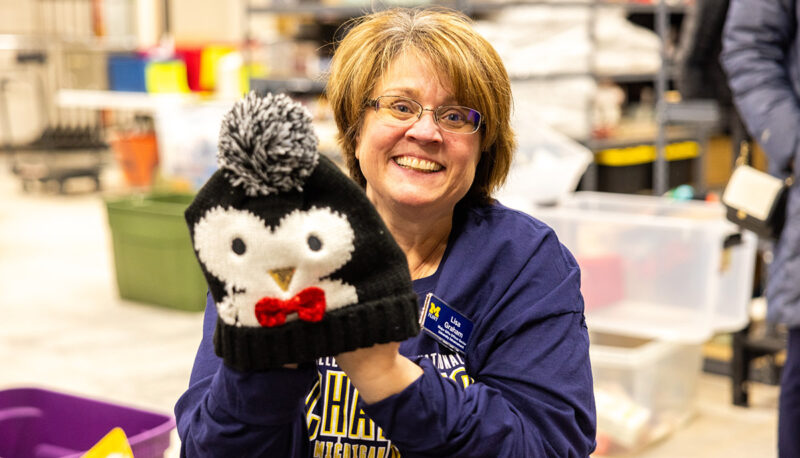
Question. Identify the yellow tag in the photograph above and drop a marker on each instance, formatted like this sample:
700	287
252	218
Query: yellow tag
112	445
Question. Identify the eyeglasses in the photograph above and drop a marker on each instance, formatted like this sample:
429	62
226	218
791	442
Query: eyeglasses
405	111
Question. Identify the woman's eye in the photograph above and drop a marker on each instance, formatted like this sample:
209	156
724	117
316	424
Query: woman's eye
238	246
454	116
314	243
401	107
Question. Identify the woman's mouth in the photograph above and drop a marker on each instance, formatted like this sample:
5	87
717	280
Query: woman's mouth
419	165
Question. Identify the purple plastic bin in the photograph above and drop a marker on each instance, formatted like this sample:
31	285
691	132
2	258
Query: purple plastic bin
39	423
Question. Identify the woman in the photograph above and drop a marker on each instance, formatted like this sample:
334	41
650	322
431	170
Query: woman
422	103
761	56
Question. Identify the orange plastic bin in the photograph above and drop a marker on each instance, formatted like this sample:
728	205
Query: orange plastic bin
137	154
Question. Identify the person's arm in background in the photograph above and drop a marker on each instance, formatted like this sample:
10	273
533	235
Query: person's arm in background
532	395
699	46
229	413
756	40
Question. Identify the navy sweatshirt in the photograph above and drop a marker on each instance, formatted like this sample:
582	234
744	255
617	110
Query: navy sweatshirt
523	388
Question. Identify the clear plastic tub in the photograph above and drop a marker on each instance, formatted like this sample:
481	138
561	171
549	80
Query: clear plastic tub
655	267
644	389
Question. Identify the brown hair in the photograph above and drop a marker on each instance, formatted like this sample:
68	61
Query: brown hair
462	57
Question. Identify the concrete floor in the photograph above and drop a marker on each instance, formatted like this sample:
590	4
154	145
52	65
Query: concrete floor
65	328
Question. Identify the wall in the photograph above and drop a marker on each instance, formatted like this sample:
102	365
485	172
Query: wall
18	18
203	21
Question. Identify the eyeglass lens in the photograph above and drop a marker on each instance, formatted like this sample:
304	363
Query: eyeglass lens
450	118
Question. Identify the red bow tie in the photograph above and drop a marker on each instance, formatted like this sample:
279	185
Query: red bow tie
308	303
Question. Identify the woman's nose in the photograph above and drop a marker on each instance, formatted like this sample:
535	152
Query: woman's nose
425	128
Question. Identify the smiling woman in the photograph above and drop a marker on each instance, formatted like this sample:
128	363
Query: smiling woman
415	170
422	104
451	52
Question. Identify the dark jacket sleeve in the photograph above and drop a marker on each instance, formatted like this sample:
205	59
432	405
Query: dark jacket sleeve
532	395
230	413
756	40
699	74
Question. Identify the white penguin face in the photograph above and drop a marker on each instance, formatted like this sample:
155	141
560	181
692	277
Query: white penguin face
237	247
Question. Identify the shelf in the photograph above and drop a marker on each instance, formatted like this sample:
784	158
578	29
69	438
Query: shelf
136	101
488	7
649	8
290	85
345	11
550	76
629	78
16	42
10	42
641	135
300	85
617	78
611	143
629	6
342	11
700	112
99	44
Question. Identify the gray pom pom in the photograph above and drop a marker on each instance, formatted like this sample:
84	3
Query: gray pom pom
267	144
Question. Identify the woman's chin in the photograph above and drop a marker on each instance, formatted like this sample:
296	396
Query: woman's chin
420	202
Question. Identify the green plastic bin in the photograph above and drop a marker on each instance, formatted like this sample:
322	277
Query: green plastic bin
153	255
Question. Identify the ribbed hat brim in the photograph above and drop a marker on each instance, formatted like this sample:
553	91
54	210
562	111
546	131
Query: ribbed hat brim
389	319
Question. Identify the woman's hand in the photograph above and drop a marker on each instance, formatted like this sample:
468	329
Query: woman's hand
378	371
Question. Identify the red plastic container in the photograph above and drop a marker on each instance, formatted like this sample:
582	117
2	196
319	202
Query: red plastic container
191	56
46	424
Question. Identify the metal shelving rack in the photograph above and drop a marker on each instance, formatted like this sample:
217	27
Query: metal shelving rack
64	30
62	51
660	165
703	115
666	113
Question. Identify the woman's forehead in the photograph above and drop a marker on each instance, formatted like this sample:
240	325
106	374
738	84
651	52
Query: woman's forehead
407	69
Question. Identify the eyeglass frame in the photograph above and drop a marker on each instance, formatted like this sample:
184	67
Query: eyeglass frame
374	104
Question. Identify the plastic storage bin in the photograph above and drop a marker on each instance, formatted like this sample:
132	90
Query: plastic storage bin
654	267
153	255
191	57
630	170
209	61
166	77
126	72
137	153
41	423
644	389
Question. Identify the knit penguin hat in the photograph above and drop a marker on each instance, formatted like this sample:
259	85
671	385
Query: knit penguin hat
298	261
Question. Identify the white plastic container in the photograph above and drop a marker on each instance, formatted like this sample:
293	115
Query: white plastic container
655	267
644	389
547	165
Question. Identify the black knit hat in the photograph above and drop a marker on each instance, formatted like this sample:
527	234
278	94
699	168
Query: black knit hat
297	259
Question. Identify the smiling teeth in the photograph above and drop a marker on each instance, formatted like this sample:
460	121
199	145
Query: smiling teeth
417	164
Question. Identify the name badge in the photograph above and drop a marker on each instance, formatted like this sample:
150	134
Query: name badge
445	324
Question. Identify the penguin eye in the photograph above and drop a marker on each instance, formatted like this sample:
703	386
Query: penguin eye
314	243
238	246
